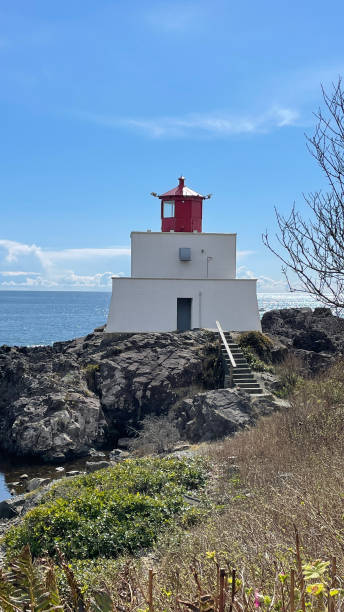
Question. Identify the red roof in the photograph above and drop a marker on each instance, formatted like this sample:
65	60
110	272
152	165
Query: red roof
181	190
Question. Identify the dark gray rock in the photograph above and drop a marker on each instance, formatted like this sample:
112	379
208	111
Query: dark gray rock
123	443
317	330
314	340
313	362
9	509
96	454
57	403
118	454
269	382
316	337
35	483
215	414
93	466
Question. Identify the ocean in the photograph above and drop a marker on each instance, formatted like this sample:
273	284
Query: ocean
29	318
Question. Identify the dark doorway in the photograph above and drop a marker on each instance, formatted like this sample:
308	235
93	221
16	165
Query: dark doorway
183	314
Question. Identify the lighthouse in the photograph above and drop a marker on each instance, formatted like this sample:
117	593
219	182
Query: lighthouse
182	278
181	209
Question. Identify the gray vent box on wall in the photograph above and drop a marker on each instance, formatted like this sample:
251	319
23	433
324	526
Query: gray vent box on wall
185	254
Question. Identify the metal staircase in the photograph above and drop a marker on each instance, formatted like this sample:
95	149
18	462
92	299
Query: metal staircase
238	372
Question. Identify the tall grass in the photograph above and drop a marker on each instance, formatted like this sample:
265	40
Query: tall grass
287	471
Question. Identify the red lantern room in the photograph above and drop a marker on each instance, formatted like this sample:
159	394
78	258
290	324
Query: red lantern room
181	209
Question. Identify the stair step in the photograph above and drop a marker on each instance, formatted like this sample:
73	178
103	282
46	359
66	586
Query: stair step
239	373
232	348
252	383
238	361
249	385
242	376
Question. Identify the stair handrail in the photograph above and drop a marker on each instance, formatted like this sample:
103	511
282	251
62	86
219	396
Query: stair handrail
223	338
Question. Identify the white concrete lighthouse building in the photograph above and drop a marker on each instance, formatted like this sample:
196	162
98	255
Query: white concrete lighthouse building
182	278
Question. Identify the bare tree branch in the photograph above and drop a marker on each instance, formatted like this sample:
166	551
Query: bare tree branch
313	249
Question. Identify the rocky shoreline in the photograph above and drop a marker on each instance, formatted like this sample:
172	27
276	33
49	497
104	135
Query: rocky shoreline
77	398
59	402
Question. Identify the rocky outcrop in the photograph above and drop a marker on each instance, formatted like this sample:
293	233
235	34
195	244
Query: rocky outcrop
312	330
215	414
58	402
316	336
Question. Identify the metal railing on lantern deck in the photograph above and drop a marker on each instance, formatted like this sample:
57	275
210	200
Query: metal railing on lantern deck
232	363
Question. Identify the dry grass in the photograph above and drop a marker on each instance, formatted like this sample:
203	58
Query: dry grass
287	471
157	435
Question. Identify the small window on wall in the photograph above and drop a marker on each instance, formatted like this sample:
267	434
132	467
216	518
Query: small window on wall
168	210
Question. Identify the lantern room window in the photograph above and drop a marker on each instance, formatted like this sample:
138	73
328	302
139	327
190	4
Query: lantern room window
168	210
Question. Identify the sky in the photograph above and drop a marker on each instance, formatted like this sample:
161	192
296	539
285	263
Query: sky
103	102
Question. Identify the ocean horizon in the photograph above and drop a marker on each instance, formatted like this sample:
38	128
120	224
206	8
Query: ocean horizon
30	318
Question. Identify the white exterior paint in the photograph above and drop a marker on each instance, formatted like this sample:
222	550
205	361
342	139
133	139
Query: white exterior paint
150	304
156	255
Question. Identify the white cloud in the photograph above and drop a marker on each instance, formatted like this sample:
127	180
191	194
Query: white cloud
198	124
29	283
69	279
15	250
264	283
100	279
65	268
18	273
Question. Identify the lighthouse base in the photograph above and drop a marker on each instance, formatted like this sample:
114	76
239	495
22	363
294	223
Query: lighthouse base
165	304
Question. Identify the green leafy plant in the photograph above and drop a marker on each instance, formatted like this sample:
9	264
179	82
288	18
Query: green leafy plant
254	362
258	343
122	508
26	586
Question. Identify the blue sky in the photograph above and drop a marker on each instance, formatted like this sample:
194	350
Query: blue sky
103	102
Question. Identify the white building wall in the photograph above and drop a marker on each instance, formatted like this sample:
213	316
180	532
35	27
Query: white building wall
156	255
150	305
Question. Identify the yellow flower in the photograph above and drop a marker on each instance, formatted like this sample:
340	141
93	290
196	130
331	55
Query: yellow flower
210	554
315	589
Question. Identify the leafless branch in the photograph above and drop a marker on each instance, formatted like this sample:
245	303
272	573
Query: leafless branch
312	249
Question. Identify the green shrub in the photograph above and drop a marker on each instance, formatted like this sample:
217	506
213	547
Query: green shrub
122	508
257	342
254	362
